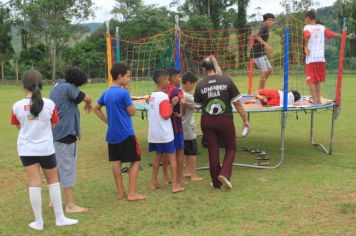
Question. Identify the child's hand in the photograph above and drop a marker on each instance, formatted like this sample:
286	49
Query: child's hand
351	36
269	49
306	50
88	108
175	100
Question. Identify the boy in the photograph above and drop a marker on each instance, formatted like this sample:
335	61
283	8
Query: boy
189	129
274	97
122	143
174	91
315	68
260	47
160	130
66	95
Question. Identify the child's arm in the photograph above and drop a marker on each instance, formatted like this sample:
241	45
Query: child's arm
131	110
307	36
242	113
88	108
100	114
265	44
166	108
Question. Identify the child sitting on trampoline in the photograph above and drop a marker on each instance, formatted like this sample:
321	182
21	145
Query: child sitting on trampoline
260	47
274	97
315	68
160	130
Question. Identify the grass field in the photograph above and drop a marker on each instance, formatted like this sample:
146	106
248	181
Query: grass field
310	194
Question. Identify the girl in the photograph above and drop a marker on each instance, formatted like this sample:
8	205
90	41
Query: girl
35	116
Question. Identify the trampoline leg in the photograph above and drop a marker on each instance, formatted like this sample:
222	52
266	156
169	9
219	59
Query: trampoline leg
321	146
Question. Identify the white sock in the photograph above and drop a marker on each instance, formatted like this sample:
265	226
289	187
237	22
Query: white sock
36	203
56	199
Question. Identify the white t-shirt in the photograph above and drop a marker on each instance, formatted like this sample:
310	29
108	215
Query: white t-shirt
35	136
188	121
290	98
316	42
160	130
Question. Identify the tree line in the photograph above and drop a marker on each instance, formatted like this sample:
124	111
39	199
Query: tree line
52	37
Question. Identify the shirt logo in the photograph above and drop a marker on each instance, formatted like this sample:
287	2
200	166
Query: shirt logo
27	107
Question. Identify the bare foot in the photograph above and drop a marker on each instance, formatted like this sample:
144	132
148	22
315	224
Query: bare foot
121	196
154	186
136	197
177	189
187	175
182	182
196	178
75	209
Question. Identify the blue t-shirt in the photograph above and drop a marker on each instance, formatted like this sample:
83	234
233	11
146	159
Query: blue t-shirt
116	100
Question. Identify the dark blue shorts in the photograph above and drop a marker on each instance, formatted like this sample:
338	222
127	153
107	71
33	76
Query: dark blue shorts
162	147
179	140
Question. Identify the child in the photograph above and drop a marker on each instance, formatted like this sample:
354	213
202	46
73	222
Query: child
315	68
122	143
274	97
189	129
259	47
66	95
174	91
160	130
35	116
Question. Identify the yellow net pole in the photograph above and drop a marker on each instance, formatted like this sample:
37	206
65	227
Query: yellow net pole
108	53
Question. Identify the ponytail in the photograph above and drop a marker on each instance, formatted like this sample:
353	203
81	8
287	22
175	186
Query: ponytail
210	63
216	65
32	81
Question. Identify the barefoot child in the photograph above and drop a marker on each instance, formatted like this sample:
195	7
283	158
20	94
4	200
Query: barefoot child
160	130
66	95
122	143
190	135
35	116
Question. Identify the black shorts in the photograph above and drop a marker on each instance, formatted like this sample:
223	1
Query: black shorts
190	147
126	151
46	162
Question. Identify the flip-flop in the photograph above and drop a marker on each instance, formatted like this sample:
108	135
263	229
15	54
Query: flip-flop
261	156
262	163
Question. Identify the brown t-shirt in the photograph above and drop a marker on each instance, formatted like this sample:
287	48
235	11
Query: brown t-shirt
215	94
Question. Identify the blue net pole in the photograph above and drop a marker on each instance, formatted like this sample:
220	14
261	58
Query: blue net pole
177	45
286	68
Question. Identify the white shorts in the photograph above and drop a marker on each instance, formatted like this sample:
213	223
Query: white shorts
66	156
262	63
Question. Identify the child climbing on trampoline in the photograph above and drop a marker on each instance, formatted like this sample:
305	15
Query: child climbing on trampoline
274	97
35	117
314	48
260	47
160	130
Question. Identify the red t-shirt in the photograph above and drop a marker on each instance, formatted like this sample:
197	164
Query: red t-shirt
272	96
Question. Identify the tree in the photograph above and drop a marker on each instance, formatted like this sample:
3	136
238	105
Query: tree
292	6
127	9
6	49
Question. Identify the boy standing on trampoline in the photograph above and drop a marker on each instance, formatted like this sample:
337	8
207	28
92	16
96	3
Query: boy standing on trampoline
260	47
160	130
122	143
314	48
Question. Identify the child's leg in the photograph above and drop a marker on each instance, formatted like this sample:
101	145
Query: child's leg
155	168
132	194
188	172
193	165
116	170
173	164
34	179
180	160
317	92
165	162
313	92
56	197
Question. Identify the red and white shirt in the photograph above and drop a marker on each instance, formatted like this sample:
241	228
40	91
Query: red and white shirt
160	128
316	35
275	97
35	136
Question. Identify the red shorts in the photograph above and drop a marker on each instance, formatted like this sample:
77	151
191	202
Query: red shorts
315	72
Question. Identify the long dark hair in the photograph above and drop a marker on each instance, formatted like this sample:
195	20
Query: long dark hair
32	81
210	63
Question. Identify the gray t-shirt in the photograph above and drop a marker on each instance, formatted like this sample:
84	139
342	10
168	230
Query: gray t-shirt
188	121
66	96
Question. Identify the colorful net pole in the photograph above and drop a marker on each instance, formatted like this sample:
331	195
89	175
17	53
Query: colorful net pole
250	67
117	50
108	53
286	68
177	45
341	65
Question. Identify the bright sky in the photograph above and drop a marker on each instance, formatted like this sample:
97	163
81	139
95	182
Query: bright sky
105	6
273	6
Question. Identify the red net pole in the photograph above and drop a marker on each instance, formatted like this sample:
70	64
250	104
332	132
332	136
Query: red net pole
250	68
341	65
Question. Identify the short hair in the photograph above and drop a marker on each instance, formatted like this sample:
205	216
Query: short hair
296	95
208	64
172	72
119	69
74	75
159	73
189	77
267	16
310	14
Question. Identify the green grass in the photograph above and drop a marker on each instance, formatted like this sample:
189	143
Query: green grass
310	194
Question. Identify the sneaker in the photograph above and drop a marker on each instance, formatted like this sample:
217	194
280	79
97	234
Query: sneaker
225	182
